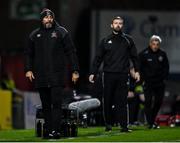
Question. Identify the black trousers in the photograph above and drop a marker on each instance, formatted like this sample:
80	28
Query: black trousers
115	93
153	100
51	99
134	105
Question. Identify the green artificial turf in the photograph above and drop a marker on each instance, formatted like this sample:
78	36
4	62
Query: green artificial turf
97	134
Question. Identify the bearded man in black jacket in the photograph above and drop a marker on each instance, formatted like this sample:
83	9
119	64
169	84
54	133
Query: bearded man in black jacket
45	66
115	51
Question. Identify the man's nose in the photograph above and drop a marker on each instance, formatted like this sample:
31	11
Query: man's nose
49	19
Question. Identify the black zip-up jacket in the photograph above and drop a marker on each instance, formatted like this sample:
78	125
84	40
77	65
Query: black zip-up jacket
116	51
45	55
154	66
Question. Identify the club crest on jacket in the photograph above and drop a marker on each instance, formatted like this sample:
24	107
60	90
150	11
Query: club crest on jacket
53	35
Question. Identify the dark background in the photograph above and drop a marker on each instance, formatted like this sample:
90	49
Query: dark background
75	15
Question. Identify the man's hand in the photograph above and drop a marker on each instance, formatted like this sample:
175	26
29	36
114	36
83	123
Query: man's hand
75	77
91	78
30	75
137	76
130	94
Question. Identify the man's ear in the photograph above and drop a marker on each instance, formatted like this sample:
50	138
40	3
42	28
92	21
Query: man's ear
111	26
150	43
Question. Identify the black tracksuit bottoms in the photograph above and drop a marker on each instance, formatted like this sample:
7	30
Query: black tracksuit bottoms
51	99
115	93
153	100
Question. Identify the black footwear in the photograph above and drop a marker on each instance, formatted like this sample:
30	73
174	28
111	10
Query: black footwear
47	137
150	126
108	128
154	126
54	135
46	134
126	130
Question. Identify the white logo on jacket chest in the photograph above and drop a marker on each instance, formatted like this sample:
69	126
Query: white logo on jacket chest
109	42
149	60
53	35
38	35
160	58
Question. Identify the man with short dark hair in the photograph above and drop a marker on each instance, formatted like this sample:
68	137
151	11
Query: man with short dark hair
154	69
115	51
45	65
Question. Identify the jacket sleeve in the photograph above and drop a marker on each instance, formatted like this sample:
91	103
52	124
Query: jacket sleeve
165	67
134	55
98	58
29	54
70	52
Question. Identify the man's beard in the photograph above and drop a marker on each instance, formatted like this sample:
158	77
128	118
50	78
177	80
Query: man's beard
117	29
48	25
155	49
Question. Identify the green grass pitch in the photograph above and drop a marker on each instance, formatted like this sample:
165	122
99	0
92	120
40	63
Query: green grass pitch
97	134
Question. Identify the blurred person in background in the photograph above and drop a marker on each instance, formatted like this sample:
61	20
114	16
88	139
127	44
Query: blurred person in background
7	82
115	51
45	66
154	68
135	99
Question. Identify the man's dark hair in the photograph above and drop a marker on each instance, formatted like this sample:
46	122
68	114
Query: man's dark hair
117	17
